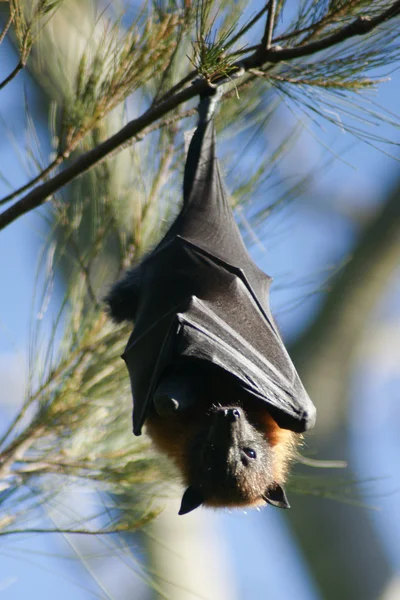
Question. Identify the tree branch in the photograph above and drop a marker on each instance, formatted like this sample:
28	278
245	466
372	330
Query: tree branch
63	531
248	26
269	26
55	163
361	26
139	127
13	74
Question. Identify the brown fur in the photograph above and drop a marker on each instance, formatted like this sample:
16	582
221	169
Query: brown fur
173	435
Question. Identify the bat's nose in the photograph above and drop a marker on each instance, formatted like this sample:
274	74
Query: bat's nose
227	424
231	414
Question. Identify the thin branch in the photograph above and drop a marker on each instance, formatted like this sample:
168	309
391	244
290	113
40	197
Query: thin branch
15	452
55	163
13	74
61	157
70	240
284	37
269	26
168	70
187	79
248	26
6	26
141	126
85	271
361	26
62	368
63	531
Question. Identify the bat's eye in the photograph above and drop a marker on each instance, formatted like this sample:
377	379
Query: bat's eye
250	452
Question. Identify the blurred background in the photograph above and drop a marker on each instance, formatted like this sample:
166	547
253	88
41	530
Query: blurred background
317	198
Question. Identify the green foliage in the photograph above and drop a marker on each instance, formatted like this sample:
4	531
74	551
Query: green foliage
74	424
212	39
115	67
29	18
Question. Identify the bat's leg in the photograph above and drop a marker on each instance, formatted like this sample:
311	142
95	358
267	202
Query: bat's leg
175	392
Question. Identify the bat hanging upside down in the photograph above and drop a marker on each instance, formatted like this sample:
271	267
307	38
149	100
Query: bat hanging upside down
210	376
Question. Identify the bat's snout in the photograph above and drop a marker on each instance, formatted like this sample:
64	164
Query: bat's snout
227	422
230	414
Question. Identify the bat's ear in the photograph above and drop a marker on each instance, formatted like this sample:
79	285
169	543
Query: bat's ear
191	499
276	496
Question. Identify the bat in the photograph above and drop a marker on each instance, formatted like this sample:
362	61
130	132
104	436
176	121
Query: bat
210	375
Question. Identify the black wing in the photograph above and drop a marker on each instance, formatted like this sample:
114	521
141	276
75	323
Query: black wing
202	297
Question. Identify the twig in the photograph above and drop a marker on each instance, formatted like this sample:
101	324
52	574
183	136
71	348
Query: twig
139	127
331	17
13	74
187	79
248	26
58	371
6	26
64	531
269	26
167	71
66	223
61	157
55	163
86	272
361	26
15	452
285	36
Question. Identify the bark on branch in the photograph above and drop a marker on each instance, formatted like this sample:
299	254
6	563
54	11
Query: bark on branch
140	126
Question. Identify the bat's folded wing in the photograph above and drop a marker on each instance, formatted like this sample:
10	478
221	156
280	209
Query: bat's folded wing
204	335
232	335
146	357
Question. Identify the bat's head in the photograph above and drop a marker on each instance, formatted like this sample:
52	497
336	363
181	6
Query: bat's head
231	463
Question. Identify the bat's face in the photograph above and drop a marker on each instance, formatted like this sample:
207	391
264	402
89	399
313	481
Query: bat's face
230	463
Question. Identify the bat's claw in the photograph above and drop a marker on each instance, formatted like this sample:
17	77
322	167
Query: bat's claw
165	405
174	393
